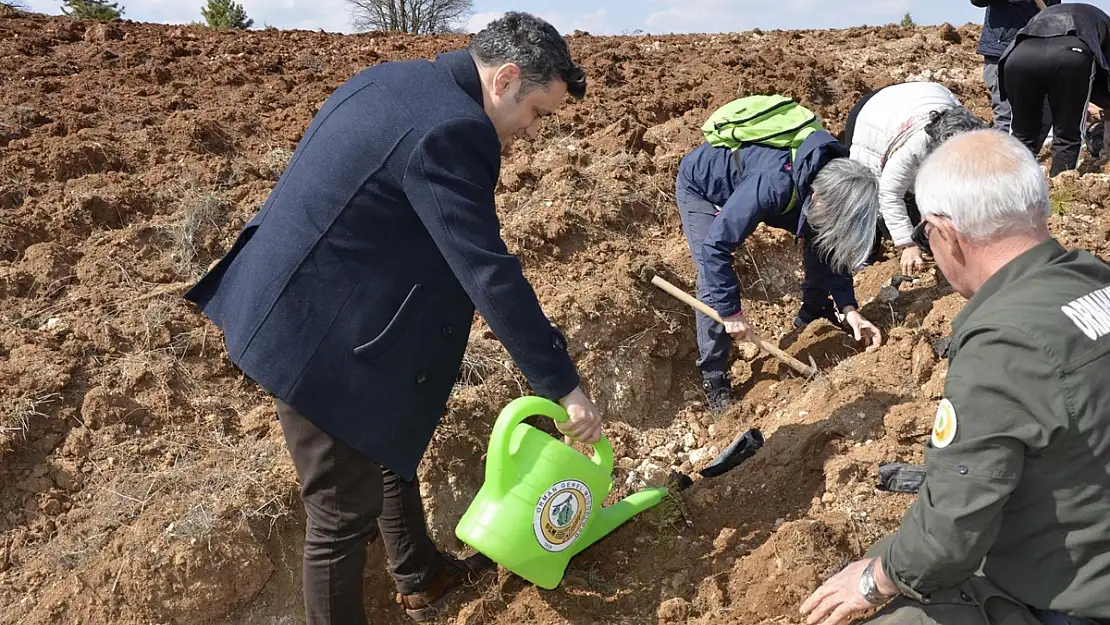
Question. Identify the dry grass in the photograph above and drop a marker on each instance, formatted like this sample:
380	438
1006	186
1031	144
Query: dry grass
15	423
273	163
212	487
486	360
202	213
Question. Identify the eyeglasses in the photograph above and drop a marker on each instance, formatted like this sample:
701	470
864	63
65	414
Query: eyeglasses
921	238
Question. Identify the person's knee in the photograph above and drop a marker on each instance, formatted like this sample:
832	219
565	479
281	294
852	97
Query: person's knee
340	530
334	516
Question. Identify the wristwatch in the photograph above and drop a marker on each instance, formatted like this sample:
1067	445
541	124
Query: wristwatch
867	586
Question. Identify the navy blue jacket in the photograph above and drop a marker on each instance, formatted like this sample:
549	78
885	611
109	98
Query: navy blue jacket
759	192
1002	22
351	294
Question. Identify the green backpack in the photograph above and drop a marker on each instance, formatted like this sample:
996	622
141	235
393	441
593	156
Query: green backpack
772	120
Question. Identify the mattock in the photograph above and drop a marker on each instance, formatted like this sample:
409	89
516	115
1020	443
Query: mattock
807	370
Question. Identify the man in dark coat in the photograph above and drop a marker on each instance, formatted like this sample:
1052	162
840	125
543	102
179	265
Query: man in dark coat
350	296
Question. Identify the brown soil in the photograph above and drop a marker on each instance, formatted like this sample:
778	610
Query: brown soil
144	479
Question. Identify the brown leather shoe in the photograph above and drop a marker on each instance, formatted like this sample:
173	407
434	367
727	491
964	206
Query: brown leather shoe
426	604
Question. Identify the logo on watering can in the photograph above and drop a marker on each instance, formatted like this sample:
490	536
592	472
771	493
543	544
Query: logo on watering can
561	514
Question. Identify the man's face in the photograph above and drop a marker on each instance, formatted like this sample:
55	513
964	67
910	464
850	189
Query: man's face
516	114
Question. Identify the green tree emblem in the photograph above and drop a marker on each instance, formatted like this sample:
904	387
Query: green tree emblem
563	511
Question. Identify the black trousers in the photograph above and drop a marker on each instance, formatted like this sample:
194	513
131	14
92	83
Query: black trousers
853	115
1063	69
349	499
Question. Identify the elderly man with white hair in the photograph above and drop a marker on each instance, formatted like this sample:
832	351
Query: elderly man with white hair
1012	524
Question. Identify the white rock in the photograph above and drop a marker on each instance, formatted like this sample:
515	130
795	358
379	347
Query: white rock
689	441
53	324
697	455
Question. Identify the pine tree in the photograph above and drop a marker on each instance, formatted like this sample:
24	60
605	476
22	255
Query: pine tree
93	10
226	14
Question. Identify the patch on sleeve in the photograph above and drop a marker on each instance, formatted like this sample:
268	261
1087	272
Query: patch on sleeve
944	426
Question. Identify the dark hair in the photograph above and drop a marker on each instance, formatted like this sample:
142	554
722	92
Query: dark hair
533	45
943	125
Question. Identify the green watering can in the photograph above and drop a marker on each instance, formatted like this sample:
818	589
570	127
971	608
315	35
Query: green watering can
541	501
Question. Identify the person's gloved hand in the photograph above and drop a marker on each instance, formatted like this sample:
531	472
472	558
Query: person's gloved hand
738	327
912	261
862	327
584	424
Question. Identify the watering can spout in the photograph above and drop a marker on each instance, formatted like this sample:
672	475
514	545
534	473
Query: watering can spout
612	517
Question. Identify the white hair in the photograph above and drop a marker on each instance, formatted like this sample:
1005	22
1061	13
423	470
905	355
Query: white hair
845	213
987	183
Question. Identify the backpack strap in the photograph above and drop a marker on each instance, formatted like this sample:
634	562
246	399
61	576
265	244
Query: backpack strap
736	163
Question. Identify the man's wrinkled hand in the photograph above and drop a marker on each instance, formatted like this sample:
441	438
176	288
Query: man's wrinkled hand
864	328
912	261
838	599
738	327
584	424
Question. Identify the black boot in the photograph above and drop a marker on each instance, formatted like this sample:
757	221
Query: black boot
718	392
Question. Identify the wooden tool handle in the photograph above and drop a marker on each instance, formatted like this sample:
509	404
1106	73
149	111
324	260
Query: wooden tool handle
678	293
1040	4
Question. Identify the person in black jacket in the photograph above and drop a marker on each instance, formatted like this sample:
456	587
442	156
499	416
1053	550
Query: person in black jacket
1003	19
1062	54
350	296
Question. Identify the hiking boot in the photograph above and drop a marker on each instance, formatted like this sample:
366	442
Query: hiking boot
718	393
426	604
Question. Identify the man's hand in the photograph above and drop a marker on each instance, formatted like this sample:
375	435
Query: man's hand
584	424
1093	109
738	327
912	262
861	327
839	598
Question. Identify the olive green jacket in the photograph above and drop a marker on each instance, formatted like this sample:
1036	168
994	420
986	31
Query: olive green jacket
1018	466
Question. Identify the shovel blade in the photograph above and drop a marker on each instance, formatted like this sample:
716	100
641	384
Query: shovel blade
740	450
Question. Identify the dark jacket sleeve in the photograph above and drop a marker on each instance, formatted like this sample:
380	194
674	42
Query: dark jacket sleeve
450	182
818	272
756	197
1003	403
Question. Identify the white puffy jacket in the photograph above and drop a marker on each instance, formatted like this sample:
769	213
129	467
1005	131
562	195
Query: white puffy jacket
890	138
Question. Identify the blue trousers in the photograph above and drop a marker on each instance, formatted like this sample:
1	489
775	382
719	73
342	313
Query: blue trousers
714	343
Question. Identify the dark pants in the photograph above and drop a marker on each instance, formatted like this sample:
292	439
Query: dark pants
349	499
882	232
1001	108
713	342
1063	69
853	115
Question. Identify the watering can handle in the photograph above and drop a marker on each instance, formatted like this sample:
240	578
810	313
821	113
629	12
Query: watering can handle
498	464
